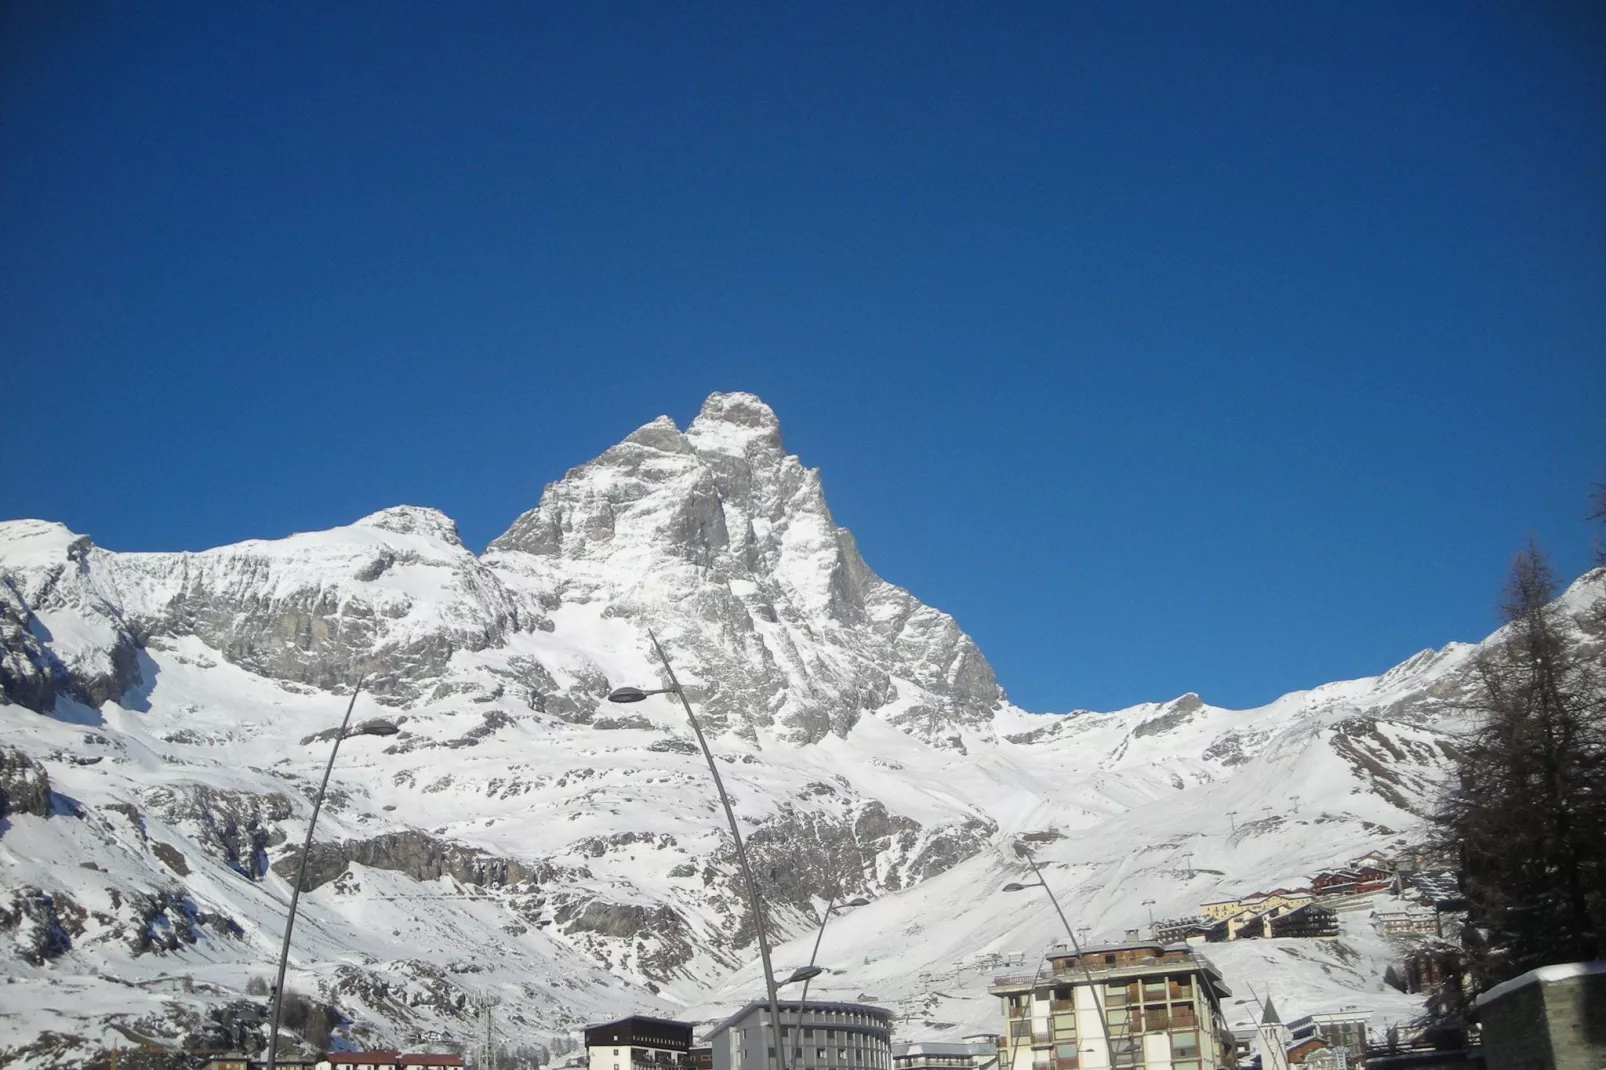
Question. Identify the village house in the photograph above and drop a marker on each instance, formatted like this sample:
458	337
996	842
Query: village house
1358	881
639	1043
1256	902
941	1055
1178	930
1309	921
1402	922
1162	1004
230	1060
820	1036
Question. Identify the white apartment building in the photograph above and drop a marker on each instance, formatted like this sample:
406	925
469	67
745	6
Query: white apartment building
639	1043
817	1036
1162	1004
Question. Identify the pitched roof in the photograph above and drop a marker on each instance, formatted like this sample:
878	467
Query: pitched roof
1270	1015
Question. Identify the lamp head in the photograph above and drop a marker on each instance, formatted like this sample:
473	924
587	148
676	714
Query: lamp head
861	901
626	694
378	726
1013	886
804	973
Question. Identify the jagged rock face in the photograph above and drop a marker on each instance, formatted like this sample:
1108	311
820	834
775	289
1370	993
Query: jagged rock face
723	543
24	785
236	825
419	855
391	599
63	629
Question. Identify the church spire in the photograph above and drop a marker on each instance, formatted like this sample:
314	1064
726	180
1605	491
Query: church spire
1270	1016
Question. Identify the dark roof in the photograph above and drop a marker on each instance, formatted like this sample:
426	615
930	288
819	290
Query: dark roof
787	1008
1270	1015
640	1028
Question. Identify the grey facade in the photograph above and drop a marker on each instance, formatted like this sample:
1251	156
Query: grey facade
827	1036
1552	1018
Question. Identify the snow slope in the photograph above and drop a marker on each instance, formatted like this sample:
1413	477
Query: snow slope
522	837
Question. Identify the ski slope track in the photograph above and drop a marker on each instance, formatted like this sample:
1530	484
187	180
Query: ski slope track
167	717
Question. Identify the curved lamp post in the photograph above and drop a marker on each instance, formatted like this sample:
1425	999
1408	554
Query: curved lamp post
1098	998
811	971
804	974
375	727
636	694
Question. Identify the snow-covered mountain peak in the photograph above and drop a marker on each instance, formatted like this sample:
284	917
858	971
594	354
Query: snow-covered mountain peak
414	520
38	541
735	423
524	836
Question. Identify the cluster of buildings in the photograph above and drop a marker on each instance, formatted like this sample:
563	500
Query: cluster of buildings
1294	912
1136	1005
382	1059
1133	1005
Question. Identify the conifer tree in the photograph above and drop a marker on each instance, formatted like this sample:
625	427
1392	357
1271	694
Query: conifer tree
1528	818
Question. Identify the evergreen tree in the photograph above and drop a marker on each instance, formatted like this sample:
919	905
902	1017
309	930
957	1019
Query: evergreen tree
1528	820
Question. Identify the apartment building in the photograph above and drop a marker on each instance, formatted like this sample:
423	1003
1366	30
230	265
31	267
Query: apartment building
639	1043
1162	1004
818	1036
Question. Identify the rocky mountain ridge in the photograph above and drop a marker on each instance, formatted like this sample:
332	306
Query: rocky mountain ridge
168	716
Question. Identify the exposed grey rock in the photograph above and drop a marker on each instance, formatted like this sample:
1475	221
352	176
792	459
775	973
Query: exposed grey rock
235	824
24	786
321	611
1178	712
61	575
417	854
38	922
662	939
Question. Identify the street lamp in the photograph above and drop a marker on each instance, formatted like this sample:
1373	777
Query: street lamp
1098	998
376	726
807	973
1150	904
636	694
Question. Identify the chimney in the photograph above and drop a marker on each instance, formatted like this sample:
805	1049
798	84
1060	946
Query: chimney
1132	935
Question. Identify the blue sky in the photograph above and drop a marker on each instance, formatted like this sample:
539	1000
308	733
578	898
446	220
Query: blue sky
1226	348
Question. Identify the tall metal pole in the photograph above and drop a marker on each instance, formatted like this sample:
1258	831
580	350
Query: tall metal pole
753	900
1098	997
301	875
818	936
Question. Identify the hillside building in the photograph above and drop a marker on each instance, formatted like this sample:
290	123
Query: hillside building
1162	1003
639	1043
1283	899
1401	922
818	1036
